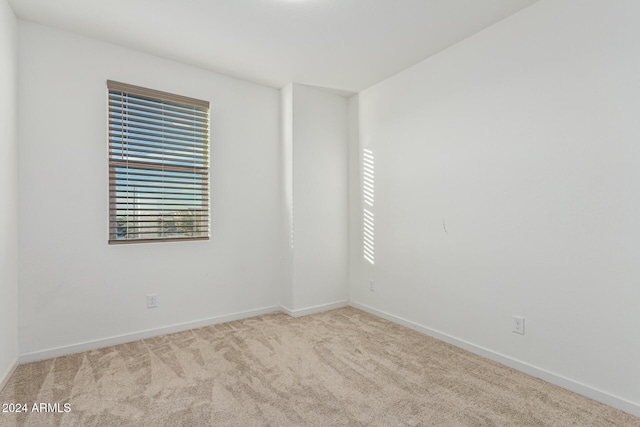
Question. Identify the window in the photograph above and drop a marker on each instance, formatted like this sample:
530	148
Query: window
158	166
368	194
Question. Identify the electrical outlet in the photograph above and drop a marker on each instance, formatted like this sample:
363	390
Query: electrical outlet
518	324
152	301
372	285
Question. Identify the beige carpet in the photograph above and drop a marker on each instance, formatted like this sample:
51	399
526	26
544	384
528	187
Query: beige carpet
343	367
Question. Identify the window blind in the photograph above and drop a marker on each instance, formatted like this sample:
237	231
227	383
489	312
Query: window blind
158	166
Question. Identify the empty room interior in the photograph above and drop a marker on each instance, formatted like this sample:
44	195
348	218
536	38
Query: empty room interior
320	212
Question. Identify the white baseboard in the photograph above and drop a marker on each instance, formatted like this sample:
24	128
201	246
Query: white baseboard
4	379
566	383
315	309
122	339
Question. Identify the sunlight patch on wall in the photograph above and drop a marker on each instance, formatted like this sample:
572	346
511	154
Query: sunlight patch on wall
368	196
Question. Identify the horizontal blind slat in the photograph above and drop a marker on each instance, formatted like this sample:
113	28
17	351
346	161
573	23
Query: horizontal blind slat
134	140
157	158
134	128
120	105
114	241
116	135
133	98
118	110
130	143
128	120
135	164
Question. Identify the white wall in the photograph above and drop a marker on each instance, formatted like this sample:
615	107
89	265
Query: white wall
8	191
523	139
359	271
320	198
74	287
